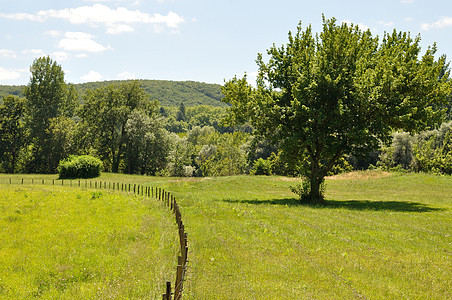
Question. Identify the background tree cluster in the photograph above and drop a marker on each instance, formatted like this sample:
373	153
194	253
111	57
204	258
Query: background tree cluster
119	122
116	122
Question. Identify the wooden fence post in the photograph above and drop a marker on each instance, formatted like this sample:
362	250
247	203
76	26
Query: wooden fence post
178	285
167	295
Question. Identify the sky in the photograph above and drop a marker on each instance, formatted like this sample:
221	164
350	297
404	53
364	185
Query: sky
199	40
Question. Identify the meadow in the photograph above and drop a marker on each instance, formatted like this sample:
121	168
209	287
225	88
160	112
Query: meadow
75	243
381	235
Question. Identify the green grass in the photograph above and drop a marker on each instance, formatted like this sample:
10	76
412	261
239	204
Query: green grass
74	243
387	237
381	236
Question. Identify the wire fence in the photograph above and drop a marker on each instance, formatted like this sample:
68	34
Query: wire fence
153	192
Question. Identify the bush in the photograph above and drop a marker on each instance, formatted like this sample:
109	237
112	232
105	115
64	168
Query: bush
303	190
84	166
262	167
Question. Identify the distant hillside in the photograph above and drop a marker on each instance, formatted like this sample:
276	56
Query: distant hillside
168	93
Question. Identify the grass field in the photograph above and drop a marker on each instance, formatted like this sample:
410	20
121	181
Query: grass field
72	243
381	236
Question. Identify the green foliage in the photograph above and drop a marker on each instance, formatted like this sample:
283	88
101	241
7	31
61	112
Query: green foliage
339	92
181	115
262	167
434	154
106	111
83	166
13	90
179	157
47	98
12	132
303	189
169	93
428	151
221	154
148	144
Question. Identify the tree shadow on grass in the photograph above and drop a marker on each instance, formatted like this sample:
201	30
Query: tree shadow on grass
396	206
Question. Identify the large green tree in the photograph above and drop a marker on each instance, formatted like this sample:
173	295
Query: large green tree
338	92
47	97
104	113
148	143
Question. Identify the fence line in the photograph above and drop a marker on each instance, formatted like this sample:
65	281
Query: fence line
153	192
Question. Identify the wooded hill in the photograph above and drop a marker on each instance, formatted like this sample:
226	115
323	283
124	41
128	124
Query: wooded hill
168	93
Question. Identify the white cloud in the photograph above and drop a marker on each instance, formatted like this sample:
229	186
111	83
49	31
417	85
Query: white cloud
54	33
126	75
8	74
5	53
115	20
441	23
120	28
60	55
91	76
80	42
81	55
23	16
386	24
34	52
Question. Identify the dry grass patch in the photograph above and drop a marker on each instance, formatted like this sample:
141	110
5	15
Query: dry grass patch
362	175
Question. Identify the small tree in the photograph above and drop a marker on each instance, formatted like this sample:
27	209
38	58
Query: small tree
181	114
342	91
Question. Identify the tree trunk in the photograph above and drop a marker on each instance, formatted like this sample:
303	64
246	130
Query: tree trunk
115	161
316	180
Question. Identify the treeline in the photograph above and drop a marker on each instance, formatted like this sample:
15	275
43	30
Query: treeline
168	93
116	122
130	132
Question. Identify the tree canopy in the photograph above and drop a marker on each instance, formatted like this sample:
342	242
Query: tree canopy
47	98
342	91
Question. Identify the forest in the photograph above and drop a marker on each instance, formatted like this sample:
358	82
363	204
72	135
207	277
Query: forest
168	93
167	129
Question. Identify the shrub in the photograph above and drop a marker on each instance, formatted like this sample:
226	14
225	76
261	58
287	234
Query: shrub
262	167
303	190
84	166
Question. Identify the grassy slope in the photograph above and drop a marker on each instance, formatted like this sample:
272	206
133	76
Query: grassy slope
72	243
381	236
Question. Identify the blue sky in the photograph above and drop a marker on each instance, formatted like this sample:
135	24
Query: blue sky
200	40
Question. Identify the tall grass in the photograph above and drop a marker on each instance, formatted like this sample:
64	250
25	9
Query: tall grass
73	243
